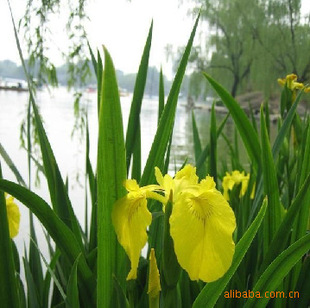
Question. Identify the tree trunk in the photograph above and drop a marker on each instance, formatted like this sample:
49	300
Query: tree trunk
235	86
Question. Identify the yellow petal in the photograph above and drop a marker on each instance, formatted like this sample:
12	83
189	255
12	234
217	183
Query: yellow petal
131	218
291	77
201	227
131	185
165	182
187	173
13	216
154	278
307	90
281	82
159	176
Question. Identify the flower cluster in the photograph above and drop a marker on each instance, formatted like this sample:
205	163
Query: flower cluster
201	222
13	215
290	82
236	178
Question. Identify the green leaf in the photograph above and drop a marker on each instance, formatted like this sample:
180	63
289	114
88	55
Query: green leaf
99	80
277	270
8	281
34	261
280	239
285	128
246	130
72	300
136	157
93	59
57	229
93	193
197	147
111	165
212	291
166	123
271	188
33	296
205	152
213	146
47	280
301	222
134	115
11	165
161	95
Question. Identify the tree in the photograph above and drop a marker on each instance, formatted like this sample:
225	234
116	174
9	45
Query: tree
35	27
251	43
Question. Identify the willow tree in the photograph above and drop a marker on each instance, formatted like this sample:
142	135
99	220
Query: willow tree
36	26
250	43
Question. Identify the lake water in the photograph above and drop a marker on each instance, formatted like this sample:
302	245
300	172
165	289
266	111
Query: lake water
56	108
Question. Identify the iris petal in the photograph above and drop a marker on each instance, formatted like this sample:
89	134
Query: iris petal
201	227
131	218
13	216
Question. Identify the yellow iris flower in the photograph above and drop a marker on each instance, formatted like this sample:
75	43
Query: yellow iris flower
236	178
13	215
201	223
290	81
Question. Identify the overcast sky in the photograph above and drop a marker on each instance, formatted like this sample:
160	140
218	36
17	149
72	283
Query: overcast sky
120	25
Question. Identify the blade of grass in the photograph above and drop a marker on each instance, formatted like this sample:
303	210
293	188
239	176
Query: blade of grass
301	222
47	280
111	165
280	239
277	270
246	130
33	296
271	188
285	128
136	156
161	95
213	146
197	147
11	165
134	115
166	123
209	295
99	80
72	299
93	194
205	152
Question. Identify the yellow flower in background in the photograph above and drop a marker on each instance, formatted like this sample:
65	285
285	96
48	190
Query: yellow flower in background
201	226
236	178
13	215
201	223
290	81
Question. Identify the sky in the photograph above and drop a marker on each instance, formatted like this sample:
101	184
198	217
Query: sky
121	26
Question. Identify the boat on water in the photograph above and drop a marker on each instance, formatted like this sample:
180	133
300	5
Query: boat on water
10	84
